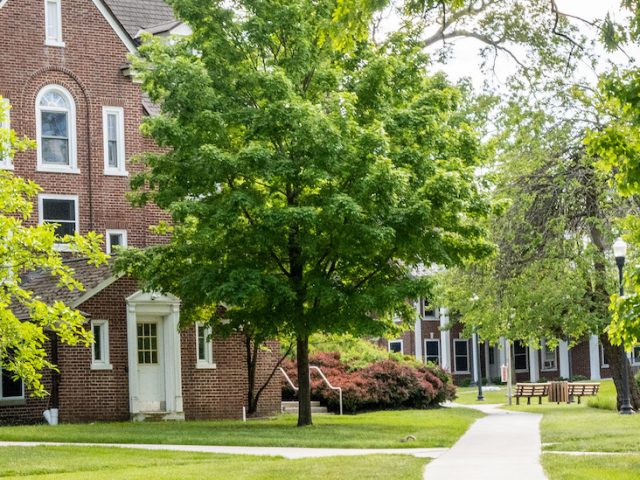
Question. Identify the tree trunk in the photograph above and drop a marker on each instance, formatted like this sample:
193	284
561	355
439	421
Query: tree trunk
252	360
304	383
615	355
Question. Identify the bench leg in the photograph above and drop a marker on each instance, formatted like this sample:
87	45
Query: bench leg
528	400
579	398
517	400
539	400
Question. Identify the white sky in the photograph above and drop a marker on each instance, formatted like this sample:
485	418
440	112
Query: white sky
466	60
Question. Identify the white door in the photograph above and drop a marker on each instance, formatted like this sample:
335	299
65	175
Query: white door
151	386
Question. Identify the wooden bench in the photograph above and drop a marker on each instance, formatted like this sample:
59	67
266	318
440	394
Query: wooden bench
529	390
583	389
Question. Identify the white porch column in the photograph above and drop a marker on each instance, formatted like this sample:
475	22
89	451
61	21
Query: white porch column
503	351
445	340
132	347
533	365
476	358
563	353
418	333
594	357
487	363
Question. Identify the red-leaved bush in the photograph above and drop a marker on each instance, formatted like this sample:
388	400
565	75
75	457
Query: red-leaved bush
379	386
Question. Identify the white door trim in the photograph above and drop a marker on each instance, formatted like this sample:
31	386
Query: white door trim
167	307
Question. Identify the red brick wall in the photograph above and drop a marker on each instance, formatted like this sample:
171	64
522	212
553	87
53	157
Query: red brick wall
91	395
222	392
89	68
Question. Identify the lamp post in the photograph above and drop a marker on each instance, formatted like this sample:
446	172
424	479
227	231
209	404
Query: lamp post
620	252
476	355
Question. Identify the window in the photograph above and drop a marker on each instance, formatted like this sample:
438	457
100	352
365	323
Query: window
432	351
396	346
521	357
604	360
113	131
10	389
100	347
5	153
204	347
53	23
635	355
461	354
114	239
427	310
56	130
147	343
61	210
548	358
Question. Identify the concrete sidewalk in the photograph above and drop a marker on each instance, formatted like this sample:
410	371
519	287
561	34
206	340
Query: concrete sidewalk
286	452
504	445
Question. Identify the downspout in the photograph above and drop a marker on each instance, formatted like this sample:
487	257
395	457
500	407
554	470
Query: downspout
51	414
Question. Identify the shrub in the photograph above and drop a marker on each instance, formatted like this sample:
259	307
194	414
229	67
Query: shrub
381	385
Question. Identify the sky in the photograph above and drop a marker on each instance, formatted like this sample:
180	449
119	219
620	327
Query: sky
466	58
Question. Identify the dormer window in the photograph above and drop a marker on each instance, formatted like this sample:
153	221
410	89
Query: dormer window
53	23
56	130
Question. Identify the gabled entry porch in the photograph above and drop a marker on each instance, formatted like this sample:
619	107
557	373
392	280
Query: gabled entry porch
153	344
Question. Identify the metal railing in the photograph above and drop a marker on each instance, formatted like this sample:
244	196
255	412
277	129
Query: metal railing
325	379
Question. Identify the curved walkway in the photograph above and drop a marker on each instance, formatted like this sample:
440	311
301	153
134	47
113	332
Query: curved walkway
504	445
286	452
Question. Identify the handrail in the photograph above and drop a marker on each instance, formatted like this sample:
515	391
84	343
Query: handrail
295	389
328	384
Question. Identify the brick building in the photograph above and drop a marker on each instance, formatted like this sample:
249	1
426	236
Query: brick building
64	73
436	338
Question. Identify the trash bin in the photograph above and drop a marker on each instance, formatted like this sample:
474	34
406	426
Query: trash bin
559	392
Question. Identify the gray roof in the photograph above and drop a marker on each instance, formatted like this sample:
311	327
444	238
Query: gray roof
45	286
135	15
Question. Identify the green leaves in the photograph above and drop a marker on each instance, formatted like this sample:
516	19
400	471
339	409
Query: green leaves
26	248
307	176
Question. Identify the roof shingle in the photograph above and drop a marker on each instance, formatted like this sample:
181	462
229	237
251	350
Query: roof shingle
135	15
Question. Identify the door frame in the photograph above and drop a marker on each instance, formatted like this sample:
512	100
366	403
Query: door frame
168	308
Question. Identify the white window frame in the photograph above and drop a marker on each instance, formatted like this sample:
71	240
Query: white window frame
208	362
544	349
120	170
526	358
10	400
53	42
635	361
5	160
602	364
400	341
104	363
107	241
455	355
71	125
46	196
437	341
424	303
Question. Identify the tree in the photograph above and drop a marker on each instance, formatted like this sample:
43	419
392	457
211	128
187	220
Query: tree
617	144
304	181
23	249
553	275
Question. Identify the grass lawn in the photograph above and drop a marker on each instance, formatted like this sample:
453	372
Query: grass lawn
609	467
432	428
469	395
114	463
581	428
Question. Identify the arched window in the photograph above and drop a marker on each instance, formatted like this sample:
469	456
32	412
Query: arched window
56	130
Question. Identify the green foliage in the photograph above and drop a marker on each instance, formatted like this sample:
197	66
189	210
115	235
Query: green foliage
356	352
25	248
304	182
617	145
